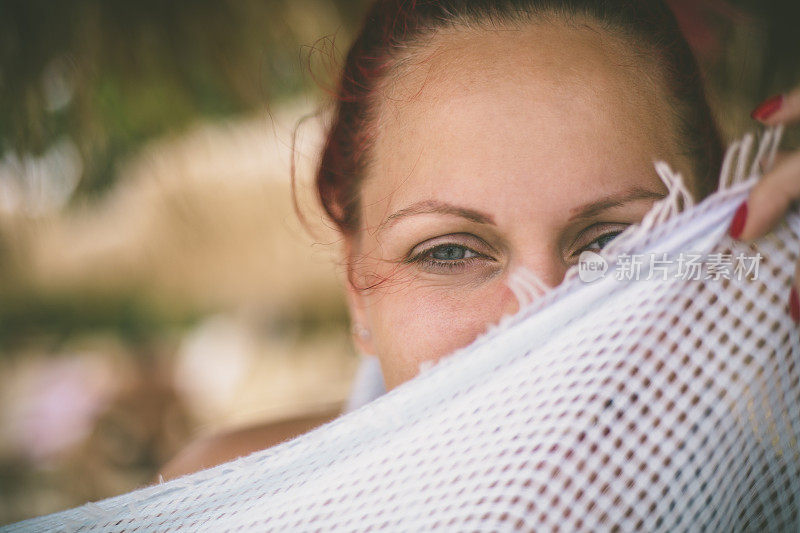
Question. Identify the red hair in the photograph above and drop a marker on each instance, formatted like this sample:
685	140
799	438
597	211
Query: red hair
392	26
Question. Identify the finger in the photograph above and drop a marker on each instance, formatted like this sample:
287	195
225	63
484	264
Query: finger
769	200
777	160
779	109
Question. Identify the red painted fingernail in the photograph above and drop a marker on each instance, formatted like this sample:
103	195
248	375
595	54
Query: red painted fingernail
767	108
737	224
794	305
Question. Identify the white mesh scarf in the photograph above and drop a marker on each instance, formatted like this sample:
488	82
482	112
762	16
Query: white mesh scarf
662	405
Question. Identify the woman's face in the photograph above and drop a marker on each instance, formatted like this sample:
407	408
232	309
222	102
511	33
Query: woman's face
495	150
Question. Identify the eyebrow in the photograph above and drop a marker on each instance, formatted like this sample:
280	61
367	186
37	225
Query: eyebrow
585	211
614	200
439	207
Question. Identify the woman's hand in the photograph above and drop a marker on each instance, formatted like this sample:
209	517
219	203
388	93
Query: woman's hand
773	195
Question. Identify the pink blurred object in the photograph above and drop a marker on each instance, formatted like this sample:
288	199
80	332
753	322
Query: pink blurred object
58	406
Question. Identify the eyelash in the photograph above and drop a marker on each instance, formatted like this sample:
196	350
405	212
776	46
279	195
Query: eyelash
613	235
425	259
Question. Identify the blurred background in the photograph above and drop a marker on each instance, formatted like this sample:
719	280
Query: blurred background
155	282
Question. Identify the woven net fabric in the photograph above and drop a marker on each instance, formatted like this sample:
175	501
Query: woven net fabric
661	403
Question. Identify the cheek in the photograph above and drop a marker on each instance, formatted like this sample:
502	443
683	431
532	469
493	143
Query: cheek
425	323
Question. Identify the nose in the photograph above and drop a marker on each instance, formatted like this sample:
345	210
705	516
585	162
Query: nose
531	279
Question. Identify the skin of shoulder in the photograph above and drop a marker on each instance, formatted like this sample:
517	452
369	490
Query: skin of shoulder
216	449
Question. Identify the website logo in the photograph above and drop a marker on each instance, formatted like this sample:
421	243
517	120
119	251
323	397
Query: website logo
591	266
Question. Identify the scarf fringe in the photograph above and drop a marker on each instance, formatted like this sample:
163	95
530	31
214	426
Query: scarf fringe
740	165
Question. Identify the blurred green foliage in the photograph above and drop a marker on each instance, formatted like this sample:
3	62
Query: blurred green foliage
53	317
135	70
111	74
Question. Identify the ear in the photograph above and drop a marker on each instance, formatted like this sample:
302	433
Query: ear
361	328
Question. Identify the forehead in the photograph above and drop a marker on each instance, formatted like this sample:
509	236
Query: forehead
486	113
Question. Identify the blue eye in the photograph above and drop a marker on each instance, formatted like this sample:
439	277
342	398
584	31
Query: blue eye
601	242
451	252
449	258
